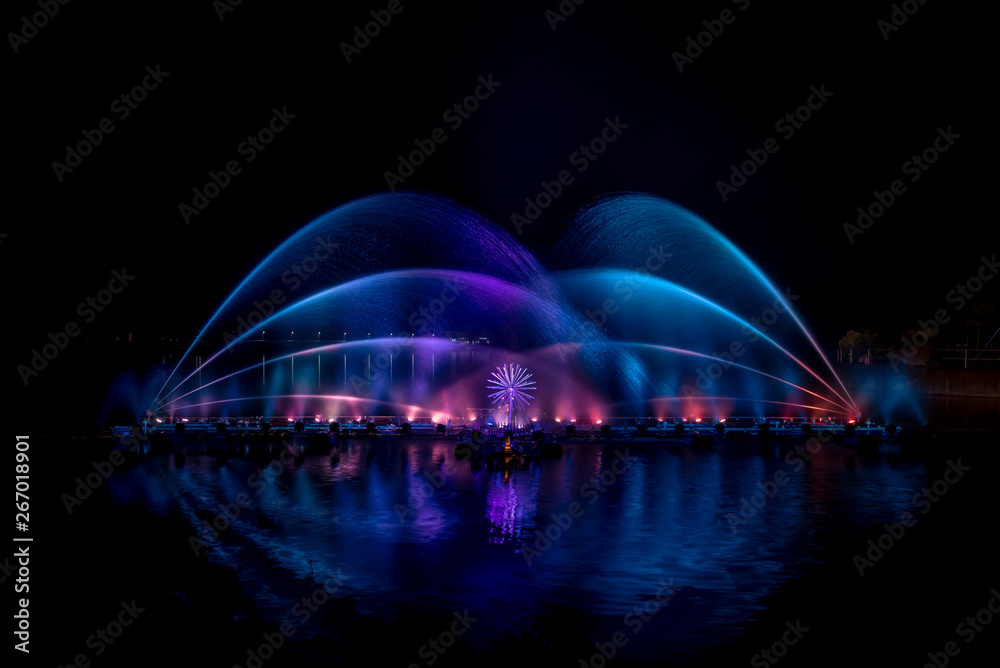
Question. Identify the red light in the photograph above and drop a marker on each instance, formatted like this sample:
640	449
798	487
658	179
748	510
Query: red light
850	422
697	419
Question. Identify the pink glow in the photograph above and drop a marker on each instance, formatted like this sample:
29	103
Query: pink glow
693	353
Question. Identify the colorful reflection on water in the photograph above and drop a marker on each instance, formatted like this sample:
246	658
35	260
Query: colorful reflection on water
412	529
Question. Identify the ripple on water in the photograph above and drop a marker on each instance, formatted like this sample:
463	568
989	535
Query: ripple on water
411	529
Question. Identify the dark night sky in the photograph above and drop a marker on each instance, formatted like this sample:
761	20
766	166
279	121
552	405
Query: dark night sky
119	208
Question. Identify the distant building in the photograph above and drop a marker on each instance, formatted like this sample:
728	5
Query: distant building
465	339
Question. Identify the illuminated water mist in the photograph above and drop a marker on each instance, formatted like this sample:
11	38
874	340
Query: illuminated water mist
402	303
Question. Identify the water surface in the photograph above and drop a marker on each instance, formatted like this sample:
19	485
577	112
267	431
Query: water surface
409	530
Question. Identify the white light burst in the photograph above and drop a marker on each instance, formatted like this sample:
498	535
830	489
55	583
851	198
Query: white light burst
511	383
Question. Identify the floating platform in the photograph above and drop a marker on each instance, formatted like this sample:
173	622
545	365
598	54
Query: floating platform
730	427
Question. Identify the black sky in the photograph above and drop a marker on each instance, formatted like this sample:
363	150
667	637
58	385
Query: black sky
119	208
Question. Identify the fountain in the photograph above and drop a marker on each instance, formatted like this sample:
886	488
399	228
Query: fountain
643	321
511	383
396	305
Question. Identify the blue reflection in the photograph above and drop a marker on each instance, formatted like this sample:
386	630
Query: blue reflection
615	519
